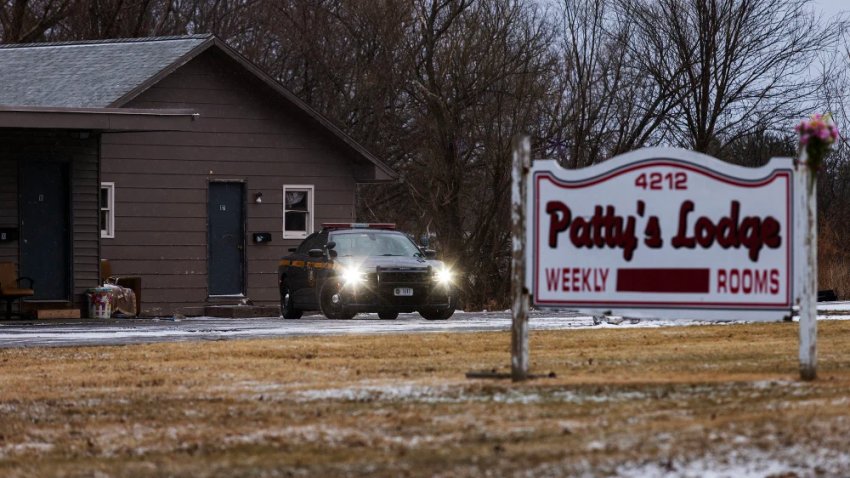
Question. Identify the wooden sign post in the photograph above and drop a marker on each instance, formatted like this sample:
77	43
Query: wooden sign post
807	275
519	293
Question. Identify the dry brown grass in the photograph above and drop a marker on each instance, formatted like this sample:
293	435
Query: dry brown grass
638	399
833	261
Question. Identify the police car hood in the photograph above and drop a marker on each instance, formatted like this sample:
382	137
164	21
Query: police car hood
370	263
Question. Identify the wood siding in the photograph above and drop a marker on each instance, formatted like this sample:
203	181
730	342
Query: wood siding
245	133
80	151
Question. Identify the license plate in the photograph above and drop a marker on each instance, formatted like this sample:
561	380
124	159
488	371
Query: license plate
403	291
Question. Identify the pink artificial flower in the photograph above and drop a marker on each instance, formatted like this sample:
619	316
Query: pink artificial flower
819	130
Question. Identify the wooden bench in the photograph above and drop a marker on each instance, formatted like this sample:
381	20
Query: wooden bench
10	287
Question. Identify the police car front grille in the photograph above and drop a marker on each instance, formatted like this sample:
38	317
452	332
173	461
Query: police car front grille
403	277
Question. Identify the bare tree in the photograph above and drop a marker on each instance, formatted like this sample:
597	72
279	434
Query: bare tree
24	21
834	97
738	65
480	72
103	19
606	103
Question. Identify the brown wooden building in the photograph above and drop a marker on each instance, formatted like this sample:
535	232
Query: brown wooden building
175	158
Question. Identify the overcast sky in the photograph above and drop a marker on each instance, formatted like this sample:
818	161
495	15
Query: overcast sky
833	7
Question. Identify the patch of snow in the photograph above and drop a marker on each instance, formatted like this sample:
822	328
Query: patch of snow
369	393
417	393
339	436
766	384
252	386
844	305
595	445
463	392
413	392
834	317
513	396
745	463
26	447
207	328
608	397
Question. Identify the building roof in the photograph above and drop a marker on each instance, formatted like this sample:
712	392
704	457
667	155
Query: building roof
97	119
85	74
110	73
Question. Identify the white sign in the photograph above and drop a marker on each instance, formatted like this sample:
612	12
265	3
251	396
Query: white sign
663	233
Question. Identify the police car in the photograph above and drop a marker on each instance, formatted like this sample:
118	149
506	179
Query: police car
349	268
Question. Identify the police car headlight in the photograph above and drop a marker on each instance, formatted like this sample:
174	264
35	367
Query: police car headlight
353	275
444	276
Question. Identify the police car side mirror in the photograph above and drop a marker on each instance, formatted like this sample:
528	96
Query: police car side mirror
430	254
316	253
330	247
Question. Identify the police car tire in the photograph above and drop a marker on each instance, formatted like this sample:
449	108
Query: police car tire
387	315
437	314
327	308
287	311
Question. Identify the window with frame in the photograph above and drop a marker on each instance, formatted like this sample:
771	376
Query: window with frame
107	210
297	211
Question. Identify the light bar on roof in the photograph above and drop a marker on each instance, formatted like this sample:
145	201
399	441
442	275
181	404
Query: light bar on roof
359	225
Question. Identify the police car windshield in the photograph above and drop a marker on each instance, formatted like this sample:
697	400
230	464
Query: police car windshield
373	243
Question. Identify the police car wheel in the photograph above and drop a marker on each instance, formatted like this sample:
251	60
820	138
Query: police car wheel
437	314
287	308
387	315
328	308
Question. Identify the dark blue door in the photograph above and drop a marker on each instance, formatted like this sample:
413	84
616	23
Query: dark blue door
226	239
45	232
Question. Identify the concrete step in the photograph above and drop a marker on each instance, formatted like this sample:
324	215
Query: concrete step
241	311
57	313
49	309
